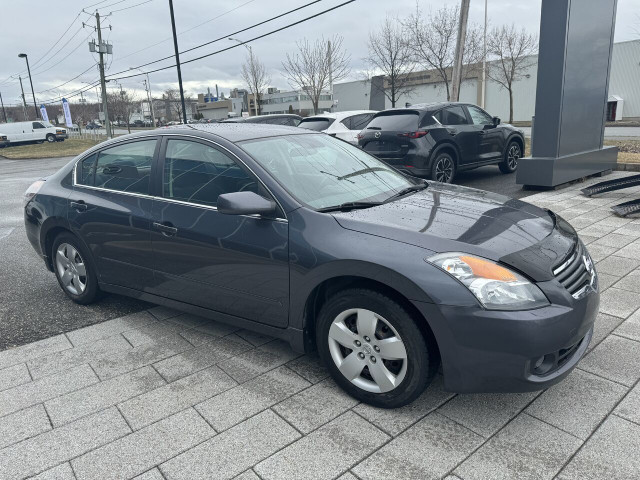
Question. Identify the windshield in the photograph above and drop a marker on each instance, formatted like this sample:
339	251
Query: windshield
321	171
317	124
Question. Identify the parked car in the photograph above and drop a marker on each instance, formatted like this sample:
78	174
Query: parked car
288	119
4	141
93	126
343	125
28	132
437	140
306	238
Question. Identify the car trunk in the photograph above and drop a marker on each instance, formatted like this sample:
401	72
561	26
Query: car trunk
386	135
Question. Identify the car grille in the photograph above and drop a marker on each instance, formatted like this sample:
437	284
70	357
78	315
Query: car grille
572	273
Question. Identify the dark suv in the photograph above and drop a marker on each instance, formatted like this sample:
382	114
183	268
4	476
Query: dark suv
437	140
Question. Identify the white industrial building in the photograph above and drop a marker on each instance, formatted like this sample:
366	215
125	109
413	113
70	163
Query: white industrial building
624	90
295	101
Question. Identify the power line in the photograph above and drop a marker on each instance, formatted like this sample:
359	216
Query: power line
132	6
68	81
238	44
65	57
227	36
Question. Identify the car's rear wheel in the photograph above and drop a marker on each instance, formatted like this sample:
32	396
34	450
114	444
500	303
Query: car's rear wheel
374	349
443	168
511	157
51	138
74	270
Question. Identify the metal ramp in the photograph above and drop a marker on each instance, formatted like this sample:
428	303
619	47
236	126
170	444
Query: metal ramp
627	208
612	185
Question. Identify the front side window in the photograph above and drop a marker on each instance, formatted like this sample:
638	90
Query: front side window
321	171
479	117
37	125
198	173
126	168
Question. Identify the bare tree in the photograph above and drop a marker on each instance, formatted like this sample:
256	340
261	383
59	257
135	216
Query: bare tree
315	66
512	50
433	42
173	103
121	105
390	54
255	76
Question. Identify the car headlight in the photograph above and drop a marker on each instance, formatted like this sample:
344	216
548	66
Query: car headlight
496	287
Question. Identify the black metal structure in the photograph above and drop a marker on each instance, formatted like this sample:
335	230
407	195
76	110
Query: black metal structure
612	185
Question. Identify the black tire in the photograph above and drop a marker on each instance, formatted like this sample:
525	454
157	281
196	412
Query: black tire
511	156
51	138
91	292
421	357
443	168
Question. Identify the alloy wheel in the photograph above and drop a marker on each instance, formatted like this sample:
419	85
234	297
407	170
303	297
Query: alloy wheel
513	156
444	170
71	269
367	350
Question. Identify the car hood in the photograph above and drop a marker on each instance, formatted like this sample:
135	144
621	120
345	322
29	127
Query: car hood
450	218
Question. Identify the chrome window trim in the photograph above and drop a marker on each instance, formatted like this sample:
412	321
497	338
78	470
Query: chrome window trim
171	200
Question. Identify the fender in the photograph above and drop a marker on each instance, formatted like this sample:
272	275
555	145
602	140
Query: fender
444	144
511	137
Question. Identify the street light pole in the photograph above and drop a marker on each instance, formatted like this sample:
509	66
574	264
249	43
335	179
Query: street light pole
255	94
175	46
35	107
484	60
149	95
456	79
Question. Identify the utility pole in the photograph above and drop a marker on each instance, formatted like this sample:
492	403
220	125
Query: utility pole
24	102
457	65
175	45
330	53
484	59
3	110
147	85
101	51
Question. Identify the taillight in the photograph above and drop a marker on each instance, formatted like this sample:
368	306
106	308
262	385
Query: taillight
419	134
360	136
32	190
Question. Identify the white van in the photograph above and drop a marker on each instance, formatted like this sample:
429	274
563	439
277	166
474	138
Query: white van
21	132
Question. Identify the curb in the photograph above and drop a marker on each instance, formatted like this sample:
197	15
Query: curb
627	167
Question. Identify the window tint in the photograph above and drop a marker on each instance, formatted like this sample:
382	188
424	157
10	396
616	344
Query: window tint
452	116
37	125
317	124
126	168
359	122
347	122
199	173
85	173
479	117
400	121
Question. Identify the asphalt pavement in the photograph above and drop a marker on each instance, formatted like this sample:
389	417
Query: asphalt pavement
32	305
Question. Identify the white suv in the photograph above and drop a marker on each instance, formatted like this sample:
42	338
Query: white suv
343	125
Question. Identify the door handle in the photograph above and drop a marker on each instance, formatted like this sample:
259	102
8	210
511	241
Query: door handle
167	229
79	206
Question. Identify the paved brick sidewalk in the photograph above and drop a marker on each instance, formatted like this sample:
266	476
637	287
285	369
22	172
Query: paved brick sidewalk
161	394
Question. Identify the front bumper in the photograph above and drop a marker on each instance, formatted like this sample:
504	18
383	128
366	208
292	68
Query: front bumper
61	136
4	143
496	351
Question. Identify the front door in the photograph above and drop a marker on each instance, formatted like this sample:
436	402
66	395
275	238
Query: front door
234	264
490	139
38	131
110	210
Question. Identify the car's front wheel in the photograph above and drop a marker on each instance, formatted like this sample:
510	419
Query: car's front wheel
74	269
51	138
511	157
374	349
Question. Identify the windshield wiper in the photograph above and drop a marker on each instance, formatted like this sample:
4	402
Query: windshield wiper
363	172
344	207
404	191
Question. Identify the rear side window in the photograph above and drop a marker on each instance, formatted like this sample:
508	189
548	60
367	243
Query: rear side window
401	121
126	168
317	124
86	170
359	122
199	173
452	116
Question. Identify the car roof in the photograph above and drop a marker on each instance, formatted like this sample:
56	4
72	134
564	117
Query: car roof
232	132
259	117
339	115
424	107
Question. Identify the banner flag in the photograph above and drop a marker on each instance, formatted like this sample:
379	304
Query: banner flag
43	112
67	113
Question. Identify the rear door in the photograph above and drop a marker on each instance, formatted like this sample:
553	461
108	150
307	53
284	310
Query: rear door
490	139
383	136
110	210
462	132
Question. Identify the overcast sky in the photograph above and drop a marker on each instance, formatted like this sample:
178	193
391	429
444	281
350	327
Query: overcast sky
33	27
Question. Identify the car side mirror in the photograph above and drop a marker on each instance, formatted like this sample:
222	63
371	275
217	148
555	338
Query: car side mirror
496	121
245	203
